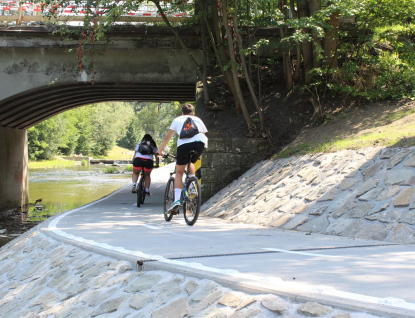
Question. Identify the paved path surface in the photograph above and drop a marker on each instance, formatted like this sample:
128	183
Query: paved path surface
362	275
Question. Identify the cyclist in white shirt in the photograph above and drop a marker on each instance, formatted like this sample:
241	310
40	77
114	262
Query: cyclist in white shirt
185	144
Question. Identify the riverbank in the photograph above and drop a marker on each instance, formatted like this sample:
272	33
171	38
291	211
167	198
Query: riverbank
54	191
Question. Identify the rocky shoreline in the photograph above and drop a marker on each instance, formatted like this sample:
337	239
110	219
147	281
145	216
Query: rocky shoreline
42	277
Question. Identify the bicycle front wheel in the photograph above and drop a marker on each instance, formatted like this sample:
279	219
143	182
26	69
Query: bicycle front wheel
192	201
140	192
168	199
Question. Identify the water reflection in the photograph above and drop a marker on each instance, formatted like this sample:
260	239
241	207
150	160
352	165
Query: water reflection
65	189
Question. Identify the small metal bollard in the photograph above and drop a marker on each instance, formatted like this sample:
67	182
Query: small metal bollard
140	265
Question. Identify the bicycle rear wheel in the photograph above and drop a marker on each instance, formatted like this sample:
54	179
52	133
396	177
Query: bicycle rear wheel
192	201
140	192
168	199
143	192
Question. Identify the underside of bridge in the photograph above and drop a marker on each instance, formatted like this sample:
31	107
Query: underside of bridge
25	110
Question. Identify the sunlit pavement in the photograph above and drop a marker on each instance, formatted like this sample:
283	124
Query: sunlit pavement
351	273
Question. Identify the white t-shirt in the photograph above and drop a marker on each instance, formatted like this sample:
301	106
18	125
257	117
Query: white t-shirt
177	126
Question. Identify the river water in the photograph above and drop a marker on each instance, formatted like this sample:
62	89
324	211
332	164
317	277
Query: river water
64	189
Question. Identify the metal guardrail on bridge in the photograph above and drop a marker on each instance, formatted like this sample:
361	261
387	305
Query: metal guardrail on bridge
19	12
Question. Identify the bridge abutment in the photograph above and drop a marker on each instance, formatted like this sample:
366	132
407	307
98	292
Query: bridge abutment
14	178
228	158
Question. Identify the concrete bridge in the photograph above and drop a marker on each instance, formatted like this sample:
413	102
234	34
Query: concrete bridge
40	77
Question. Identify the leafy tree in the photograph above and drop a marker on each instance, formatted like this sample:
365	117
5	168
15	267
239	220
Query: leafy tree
150	118
313	51
46	138
90	130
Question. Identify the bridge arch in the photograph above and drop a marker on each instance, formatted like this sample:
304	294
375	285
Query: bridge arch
29	108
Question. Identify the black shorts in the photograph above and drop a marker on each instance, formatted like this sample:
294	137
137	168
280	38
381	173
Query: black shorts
183	152
140	163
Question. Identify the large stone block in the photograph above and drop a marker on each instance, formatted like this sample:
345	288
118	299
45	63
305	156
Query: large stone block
226	159
206	160
219	145
250	145
249	160
209	174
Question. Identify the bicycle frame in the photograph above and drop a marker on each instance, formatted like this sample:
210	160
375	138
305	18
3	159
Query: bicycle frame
184	193
190	200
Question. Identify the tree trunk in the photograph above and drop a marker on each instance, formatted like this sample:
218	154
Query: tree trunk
286	57
297	71
315	5
224	58
307	48
235	77
204	48
331	41
248	36
246	72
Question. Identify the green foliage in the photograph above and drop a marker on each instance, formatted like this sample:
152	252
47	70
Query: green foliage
52	164
94	129
128	168
376	61
90	130
150	118
110	170
378	67
47	138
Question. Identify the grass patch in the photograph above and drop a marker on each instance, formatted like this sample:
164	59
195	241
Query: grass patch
110	170
50	164
395	128
118	153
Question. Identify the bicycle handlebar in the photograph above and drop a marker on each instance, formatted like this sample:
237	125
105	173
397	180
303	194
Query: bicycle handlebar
166	155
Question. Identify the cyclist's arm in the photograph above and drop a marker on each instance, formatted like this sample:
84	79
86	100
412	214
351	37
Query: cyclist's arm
169	135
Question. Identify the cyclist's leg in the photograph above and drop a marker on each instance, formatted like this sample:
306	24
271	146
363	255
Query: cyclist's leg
178	186
178	181
147	181
148	167
198	147
136	173
136	169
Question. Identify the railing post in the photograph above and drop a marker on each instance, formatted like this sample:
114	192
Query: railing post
19	20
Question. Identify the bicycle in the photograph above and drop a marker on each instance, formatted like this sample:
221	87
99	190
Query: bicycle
190	197
140	187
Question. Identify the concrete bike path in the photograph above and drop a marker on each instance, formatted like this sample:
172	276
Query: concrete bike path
349	273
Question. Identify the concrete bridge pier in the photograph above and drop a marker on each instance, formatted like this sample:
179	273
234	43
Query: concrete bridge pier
14	177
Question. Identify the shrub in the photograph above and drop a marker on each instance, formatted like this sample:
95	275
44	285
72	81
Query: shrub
110	170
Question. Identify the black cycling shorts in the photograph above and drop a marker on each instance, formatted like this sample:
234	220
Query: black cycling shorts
139	163
183	152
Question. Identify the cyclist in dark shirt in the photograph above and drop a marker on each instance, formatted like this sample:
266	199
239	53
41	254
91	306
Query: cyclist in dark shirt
143	159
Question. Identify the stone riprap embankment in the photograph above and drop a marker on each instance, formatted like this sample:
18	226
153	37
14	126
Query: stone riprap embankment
366	193
42	277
